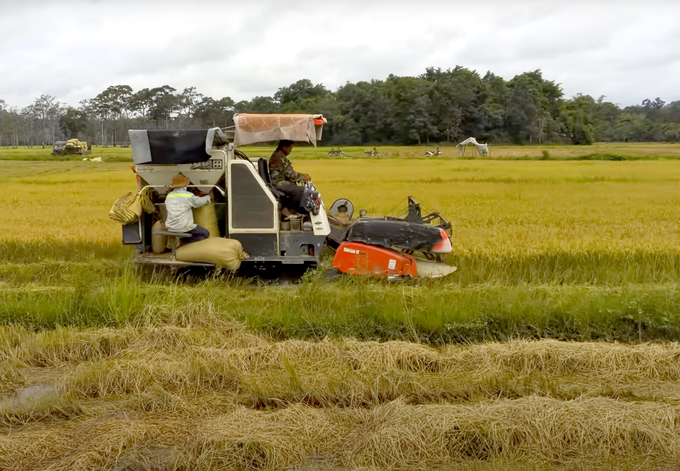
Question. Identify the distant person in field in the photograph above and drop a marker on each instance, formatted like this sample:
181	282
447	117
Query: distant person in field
286	179
179	204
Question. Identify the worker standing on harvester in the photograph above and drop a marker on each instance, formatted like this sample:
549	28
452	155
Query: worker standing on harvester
179	204
286	179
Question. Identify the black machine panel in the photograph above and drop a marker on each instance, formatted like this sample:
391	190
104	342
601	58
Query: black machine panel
177	146
293	244
251	207
396	233
257	245
132	233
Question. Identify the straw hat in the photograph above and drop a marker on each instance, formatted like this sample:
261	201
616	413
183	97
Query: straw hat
179	181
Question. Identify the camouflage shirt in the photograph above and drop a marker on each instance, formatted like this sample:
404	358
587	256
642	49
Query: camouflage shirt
281	171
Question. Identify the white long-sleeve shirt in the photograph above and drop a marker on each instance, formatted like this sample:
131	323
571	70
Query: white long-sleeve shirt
178	205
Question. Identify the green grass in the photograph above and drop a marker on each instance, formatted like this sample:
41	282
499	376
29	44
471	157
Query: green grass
50	294
30	262
598	151
38	153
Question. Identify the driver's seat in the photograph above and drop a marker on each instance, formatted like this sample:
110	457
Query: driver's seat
342	206
263	170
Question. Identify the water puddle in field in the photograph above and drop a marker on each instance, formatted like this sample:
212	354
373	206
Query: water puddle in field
30	395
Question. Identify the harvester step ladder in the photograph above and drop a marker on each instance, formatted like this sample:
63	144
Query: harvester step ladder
174	240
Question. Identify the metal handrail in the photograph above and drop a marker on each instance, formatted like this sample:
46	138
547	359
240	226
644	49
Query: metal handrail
224	193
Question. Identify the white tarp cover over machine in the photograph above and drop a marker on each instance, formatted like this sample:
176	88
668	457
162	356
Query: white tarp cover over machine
253	128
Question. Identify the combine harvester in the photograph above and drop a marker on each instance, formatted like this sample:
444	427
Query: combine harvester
71	147
247	208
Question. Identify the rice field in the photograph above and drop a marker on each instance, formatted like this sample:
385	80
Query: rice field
555	345
597	151
203	393
496	207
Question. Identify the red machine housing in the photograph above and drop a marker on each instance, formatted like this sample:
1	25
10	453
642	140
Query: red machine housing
355	258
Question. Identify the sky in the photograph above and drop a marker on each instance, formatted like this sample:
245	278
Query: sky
74	49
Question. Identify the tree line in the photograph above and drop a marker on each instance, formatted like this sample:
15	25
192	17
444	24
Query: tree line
437	106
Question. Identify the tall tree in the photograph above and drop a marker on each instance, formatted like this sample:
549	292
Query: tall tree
164	103
409	109
604	120
187	103
259	104
113	104
671	112
12	124
300	90
634	127
495	105
534	107
45	110
141	103
73	122
362	113
439	105
578	118
3	120
521	112
210	112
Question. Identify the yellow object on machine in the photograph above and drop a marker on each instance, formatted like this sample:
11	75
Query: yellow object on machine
225	253
76	144
206	217
128	208
158	242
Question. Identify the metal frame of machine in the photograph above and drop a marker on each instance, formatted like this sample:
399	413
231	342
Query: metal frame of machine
247	208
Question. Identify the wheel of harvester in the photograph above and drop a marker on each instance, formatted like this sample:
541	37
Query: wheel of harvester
332	274
275	273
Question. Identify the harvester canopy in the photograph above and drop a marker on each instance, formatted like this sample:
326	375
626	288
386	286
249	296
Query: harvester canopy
254	128
161	146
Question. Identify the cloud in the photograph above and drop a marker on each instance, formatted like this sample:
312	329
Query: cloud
75	49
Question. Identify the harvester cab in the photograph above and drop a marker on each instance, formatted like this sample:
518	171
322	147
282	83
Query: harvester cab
59	148
246	205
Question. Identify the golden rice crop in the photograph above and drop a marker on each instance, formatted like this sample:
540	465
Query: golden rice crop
496	207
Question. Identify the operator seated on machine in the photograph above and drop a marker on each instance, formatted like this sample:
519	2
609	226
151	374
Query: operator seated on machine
286	179
179	204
